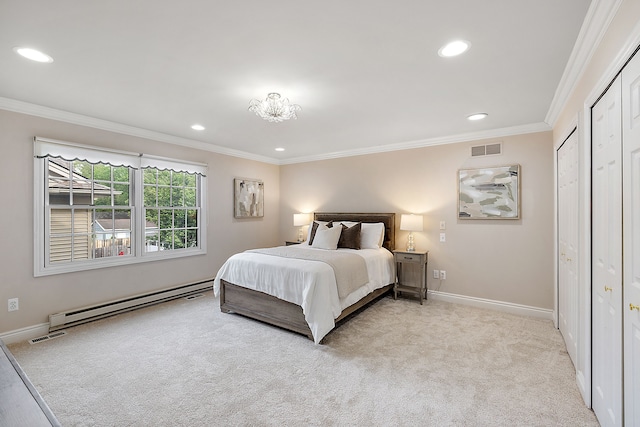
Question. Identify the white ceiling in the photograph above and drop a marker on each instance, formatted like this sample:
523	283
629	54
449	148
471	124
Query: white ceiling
365	72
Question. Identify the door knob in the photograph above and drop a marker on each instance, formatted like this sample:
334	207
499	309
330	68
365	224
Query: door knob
634	307
607	289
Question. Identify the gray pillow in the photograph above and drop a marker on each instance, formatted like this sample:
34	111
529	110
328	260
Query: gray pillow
350	236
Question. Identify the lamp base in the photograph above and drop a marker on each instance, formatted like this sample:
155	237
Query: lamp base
410	243
300	235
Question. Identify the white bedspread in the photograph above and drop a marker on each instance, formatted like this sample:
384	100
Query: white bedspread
309	284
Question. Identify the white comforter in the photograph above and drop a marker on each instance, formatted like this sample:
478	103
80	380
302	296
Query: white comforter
309	284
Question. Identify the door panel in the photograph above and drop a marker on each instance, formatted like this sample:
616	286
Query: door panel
568	235
607	257
631	241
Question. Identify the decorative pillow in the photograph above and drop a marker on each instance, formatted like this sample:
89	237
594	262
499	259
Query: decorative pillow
349	223
372	235
317	225
350	236
327	238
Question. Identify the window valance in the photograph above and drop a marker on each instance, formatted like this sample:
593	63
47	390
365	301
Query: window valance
149	161
69	151
44	147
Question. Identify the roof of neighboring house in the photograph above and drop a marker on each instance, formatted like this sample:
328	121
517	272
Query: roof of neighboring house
123	224
58	182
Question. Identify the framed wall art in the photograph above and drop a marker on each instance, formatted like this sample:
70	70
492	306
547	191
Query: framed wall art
248	198
489	193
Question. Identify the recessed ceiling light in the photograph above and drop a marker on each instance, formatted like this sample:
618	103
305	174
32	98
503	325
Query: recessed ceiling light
454	48
32	54
477	116
197	127
279	149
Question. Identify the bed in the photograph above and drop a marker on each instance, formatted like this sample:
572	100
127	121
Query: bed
283	291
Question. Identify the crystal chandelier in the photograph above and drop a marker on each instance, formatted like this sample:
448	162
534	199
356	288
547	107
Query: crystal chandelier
274	108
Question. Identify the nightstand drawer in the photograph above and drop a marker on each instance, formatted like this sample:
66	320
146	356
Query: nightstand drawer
405	257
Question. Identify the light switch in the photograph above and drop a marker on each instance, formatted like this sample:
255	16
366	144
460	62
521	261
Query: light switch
443	238
442	225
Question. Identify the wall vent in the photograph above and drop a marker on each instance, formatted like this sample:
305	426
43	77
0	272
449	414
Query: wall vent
486	150
47	337
195	296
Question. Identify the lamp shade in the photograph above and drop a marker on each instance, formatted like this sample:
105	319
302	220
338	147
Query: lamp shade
300	219
411	222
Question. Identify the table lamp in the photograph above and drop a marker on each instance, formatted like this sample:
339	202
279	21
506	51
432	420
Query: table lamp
411	223
300	220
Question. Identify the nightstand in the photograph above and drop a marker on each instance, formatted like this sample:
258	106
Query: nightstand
290	242
411	271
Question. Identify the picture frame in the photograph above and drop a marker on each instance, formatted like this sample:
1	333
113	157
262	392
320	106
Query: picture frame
489	193
248	198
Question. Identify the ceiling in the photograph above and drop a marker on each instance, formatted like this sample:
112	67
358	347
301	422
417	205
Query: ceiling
366	72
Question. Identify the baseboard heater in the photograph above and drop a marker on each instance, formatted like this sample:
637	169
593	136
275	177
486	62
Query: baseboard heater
87	314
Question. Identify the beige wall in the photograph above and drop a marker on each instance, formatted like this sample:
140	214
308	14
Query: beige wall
505	260
42	296
509	261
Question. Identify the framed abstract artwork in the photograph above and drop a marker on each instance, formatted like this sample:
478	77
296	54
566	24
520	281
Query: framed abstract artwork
489	193
248	198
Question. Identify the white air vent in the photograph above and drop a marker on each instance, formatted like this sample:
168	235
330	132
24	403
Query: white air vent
486	150
478	150
190	297
47	337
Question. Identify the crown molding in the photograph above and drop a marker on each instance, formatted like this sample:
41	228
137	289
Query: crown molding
614	67
452	139
594	27
82	120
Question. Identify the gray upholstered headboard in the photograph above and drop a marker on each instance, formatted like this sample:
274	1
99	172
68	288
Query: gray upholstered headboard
388	219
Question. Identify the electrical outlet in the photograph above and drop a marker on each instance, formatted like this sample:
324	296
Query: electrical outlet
13	304
443	275
436	274
443	238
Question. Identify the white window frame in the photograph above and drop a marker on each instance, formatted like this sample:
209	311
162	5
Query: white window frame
69	150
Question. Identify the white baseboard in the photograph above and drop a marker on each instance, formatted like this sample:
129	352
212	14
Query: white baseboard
25	334
35	331
507	307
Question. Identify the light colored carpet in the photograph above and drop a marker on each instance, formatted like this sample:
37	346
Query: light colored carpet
184	363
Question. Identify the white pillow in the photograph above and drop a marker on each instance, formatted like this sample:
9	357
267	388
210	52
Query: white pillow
372	235
321	225
327	239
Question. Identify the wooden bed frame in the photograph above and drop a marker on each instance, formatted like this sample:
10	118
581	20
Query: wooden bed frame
260	306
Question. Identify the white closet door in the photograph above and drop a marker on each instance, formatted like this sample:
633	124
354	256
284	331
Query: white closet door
606	260
631	224
568	240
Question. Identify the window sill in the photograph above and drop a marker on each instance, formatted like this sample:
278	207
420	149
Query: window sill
114	262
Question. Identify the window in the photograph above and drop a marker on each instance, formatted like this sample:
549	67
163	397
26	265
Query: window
96	208
89	210
171	210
